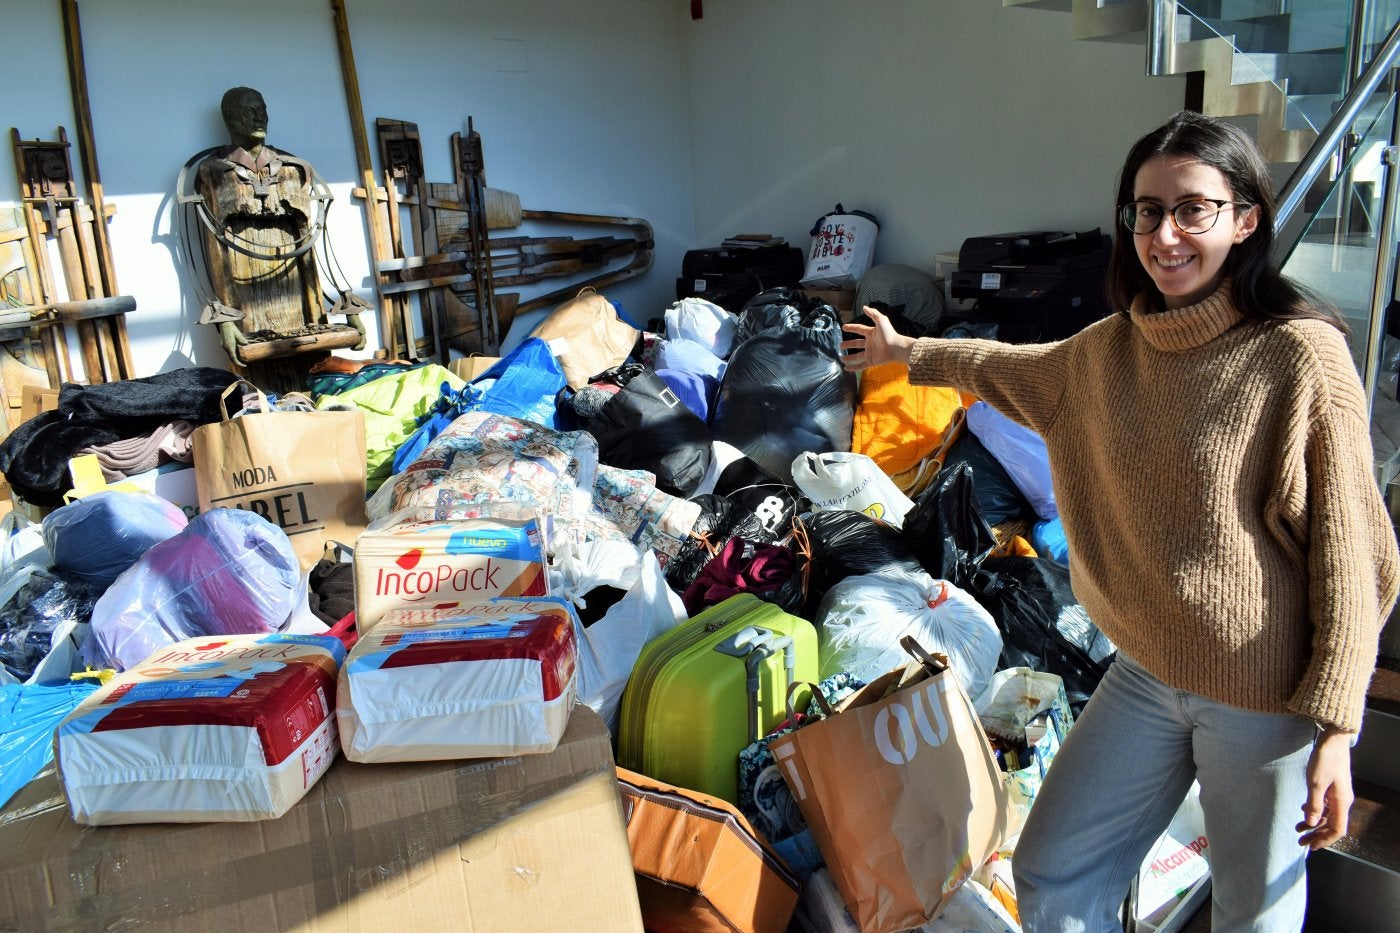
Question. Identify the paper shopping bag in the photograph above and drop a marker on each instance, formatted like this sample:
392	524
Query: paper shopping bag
901	792
304	471
587	336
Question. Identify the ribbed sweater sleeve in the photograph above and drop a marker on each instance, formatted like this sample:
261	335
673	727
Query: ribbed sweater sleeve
1025	382
1352	554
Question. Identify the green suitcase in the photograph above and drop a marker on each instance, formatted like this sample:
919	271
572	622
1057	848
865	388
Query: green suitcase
703	691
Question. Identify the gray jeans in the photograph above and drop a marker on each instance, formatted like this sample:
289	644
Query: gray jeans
1123	771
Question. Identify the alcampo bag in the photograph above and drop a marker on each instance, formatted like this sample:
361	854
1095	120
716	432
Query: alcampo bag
900	789
843	480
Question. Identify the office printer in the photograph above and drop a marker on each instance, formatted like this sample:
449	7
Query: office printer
1034	286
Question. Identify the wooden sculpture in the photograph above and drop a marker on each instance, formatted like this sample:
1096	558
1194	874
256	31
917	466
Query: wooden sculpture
261	212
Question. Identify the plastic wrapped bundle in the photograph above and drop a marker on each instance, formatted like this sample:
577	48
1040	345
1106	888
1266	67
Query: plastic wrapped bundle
785	391
228	572
100	536
47	602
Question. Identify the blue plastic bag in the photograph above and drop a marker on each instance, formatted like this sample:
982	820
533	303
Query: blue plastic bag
522	385
230	571
1020	451
99	536
1048	539
29	713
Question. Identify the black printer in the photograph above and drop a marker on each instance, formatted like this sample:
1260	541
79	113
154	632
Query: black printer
1034	286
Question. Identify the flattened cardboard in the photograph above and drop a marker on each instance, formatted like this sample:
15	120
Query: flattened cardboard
535	842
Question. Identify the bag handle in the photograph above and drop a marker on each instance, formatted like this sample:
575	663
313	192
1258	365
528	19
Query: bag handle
228	390
822	701
918	477
933	663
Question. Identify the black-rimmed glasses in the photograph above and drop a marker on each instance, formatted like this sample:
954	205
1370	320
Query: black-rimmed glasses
1194	216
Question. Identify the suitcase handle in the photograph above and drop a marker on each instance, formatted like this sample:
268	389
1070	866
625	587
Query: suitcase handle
755	645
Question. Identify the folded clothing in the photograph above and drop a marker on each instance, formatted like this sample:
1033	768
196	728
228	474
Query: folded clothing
34	457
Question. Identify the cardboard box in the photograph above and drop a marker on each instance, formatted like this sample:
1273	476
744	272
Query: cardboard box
173	482
533	843
33	400
842	299
469	367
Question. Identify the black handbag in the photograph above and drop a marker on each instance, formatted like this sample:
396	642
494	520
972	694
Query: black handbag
646	426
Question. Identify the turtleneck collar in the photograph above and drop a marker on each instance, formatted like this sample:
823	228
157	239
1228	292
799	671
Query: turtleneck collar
1187	328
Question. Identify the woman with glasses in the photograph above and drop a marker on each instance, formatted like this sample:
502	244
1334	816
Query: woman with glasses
1211	455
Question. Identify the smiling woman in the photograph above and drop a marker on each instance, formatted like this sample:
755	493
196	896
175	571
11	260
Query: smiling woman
1209	448
1185	260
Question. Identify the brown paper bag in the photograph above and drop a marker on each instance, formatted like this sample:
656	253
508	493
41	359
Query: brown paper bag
901	792
304	471
586	336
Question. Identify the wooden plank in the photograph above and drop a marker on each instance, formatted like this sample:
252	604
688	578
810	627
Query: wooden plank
388	308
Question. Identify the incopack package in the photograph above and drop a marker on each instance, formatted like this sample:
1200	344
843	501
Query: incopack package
414	560
228	728
475	680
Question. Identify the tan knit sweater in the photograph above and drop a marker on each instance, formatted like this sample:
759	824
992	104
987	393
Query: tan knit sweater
1215	484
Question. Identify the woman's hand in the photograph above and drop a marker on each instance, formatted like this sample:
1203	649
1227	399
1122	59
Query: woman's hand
1329	790
873	345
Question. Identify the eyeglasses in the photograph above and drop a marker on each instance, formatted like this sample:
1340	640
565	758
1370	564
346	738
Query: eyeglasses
1195	216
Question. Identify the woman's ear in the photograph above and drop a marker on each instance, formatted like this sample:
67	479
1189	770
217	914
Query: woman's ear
1246	224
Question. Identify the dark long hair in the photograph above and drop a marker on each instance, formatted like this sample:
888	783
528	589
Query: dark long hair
1258	289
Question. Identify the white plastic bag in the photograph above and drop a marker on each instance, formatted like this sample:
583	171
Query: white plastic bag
972	909
704	322
608	648
861	620
844	480
23	543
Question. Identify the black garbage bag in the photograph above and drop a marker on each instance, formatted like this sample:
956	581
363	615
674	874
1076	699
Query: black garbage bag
945	529
770	310
784	391
48	599
834	544
646	426
1043	626
772	502
719	520
999	499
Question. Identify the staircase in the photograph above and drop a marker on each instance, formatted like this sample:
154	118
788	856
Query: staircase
1280	68
1246	58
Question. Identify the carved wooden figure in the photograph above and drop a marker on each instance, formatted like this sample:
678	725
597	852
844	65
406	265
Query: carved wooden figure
262	211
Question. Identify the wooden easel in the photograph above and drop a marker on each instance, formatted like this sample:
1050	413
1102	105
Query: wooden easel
454	260
52	209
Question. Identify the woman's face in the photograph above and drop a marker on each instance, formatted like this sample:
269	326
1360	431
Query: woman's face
1187	267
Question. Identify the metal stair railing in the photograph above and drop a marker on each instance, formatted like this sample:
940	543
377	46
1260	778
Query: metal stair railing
1331	140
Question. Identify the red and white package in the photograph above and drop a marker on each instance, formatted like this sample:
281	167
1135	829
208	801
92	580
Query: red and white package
412	560
480	680
228	728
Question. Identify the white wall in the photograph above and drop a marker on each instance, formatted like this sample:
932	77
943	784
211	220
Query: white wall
946	118
581	107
